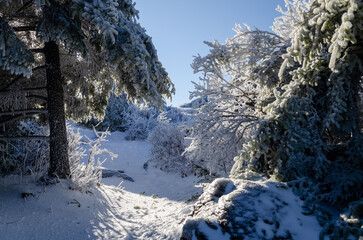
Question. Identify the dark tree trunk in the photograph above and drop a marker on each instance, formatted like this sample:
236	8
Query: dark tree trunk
59	163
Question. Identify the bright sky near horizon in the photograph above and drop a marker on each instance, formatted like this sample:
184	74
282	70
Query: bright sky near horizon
178	29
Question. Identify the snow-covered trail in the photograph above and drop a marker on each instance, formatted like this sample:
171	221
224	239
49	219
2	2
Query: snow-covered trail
140	217
155	201
131	157
148	208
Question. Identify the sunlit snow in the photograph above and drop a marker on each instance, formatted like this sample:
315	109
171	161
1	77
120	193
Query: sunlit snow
152	207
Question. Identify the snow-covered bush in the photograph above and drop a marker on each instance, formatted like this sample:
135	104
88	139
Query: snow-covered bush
31	156
167	149
24	155
142	122
137	120
173	115
85	175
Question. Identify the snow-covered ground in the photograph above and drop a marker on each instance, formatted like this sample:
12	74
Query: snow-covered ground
151	207
148	208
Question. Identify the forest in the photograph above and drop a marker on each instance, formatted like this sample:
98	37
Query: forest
270	145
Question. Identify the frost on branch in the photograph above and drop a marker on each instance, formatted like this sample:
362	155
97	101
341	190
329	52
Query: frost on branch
85	176
119	54
58	25
310	123
230	84
336	23
136	64
14	55
286	24
31	156
102	15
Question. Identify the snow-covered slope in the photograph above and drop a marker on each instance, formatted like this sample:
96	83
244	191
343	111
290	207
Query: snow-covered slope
148	208
153	206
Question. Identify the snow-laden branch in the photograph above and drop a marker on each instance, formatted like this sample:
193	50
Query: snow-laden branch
231	82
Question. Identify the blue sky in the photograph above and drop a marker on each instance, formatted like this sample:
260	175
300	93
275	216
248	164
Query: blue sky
179	27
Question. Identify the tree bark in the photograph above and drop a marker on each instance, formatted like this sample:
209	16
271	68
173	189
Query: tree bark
59	162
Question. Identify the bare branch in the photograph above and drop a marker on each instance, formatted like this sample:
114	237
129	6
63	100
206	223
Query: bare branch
38	97
35	137
13	81
25	90
15	118
25	6
37	50
28	17
23	111
25	28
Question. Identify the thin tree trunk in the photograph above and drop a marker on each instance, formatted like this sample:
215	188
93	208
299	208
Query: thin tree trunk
59	162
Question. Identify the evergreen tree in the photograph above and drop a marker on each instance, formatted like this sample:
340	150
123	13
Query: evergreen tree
64	57
118	113
290	103
311	127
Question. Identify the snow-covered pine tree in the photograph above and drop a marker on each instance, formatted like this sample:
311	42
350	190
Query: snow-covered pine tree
311	126
64	57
